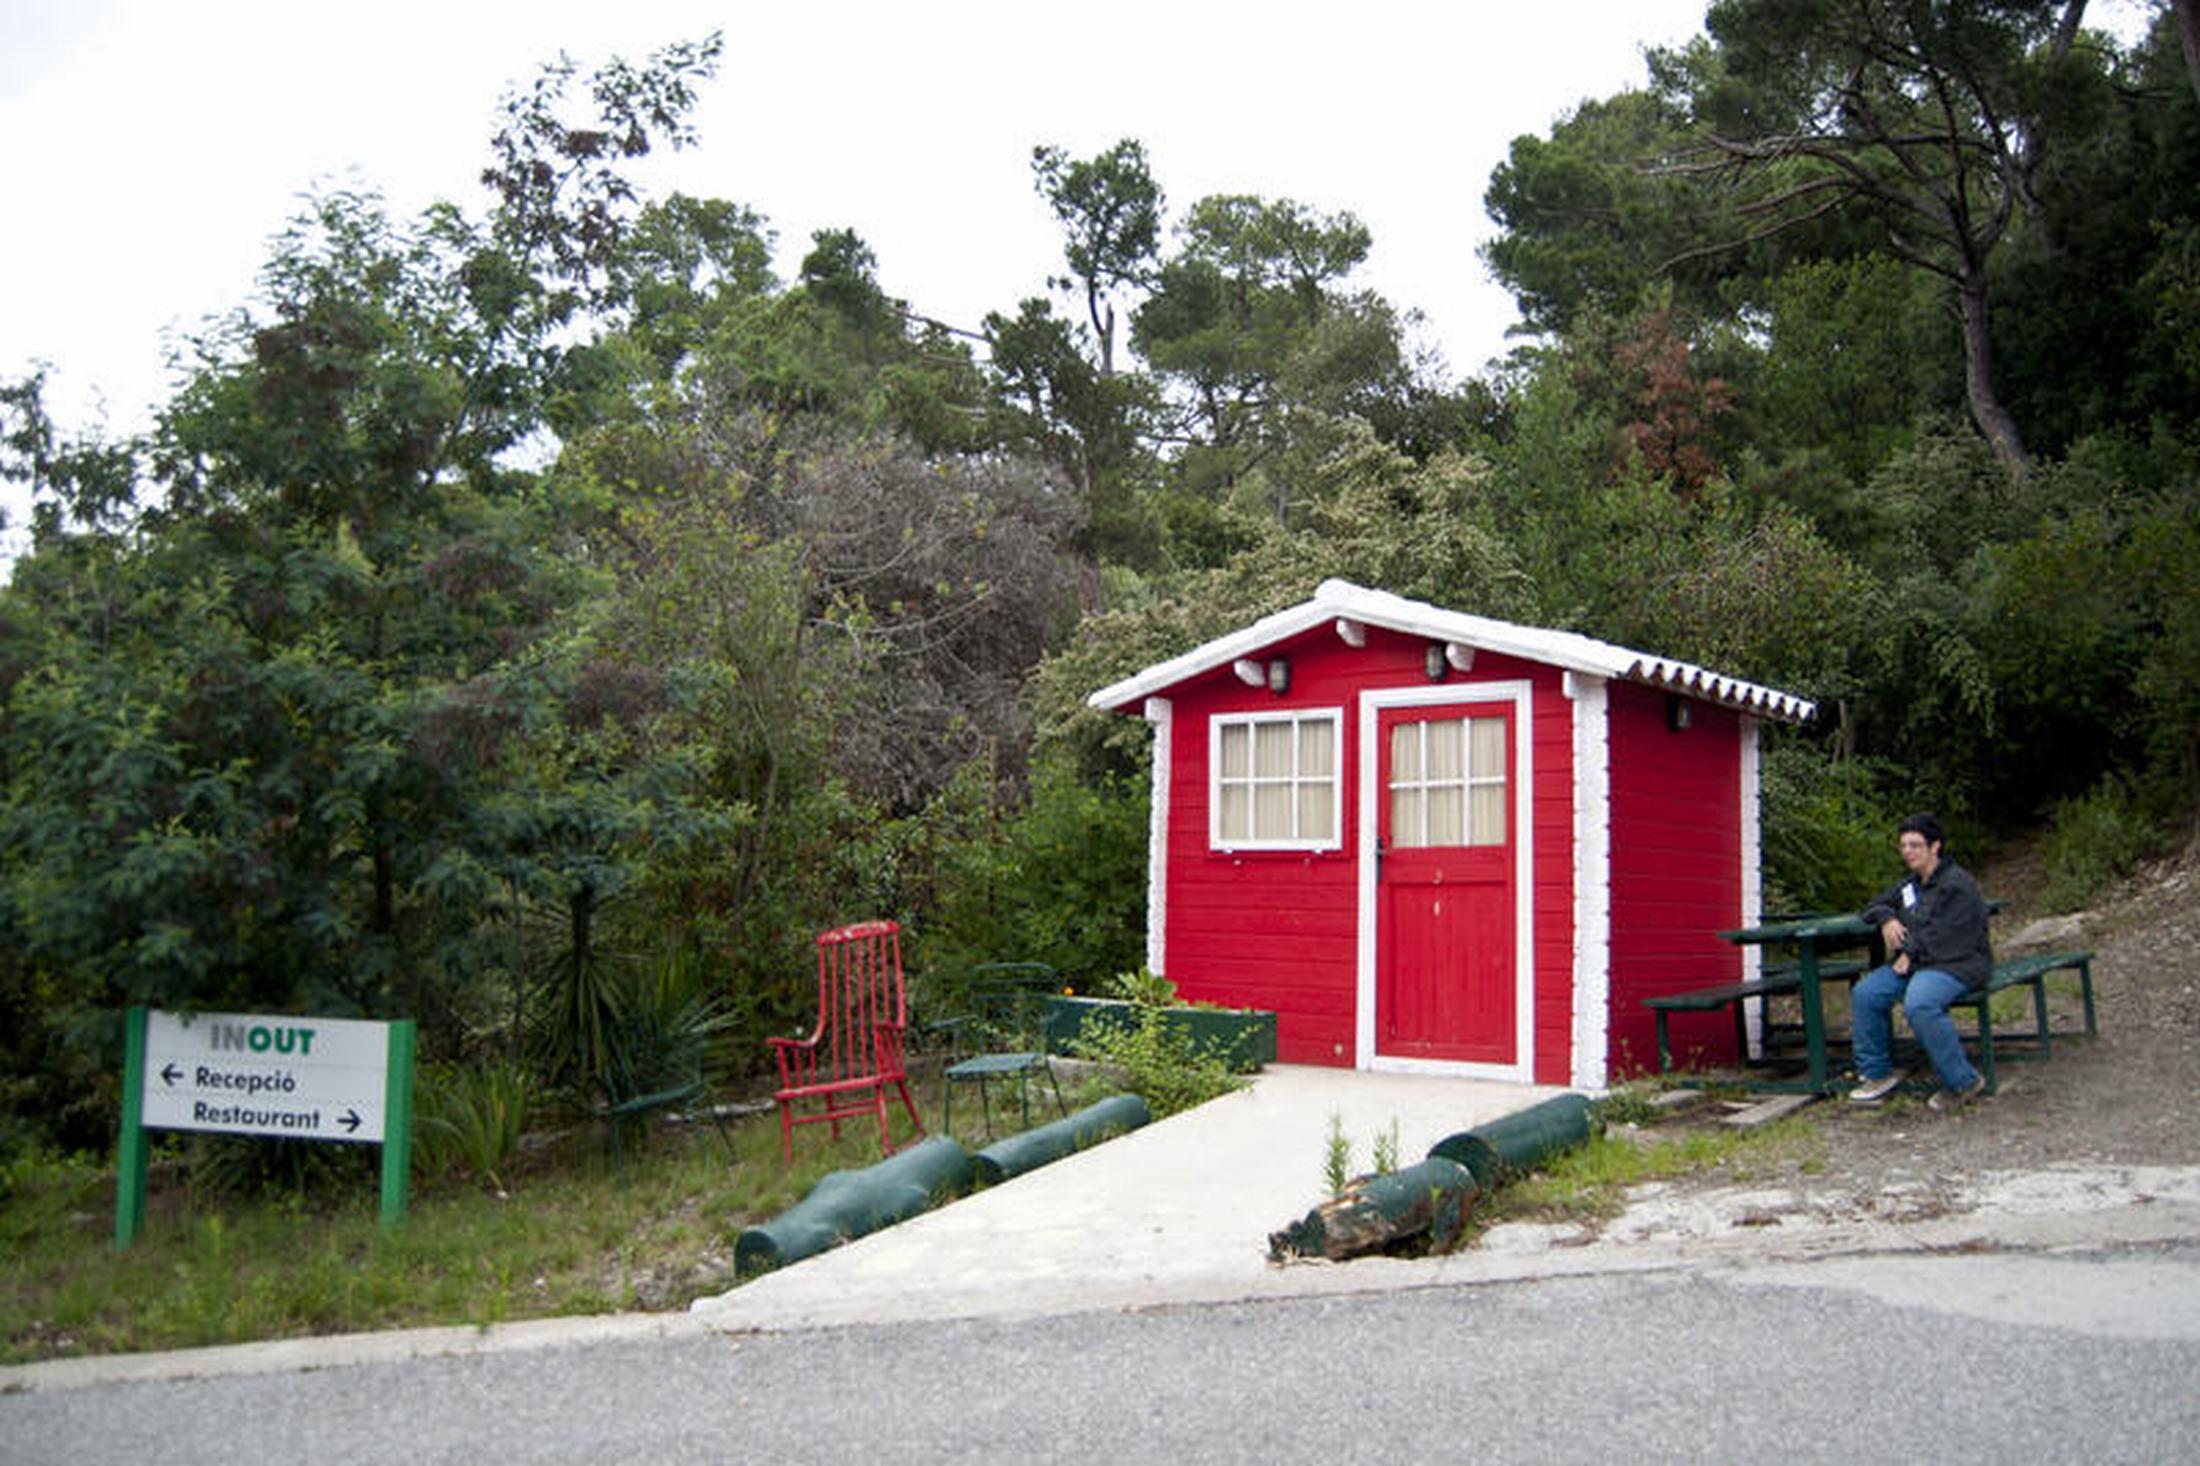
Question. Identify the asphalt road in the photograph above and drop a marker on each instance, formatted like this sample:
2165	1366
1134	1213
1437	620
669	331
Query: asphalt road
2062	1356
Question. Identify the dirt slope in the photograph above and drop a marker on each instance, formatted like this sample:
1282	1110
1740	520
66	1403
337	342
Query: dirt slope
2131	1097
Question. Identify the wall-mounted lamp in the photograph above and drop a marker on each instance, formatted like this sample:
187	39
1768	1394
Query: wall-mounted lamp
1250	672
1279	676
1679	712
1460	655
1432	661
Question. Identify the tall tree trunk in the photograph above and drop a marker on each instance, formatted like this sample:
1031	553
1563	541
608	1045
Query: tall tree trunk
1987	412
1103	326
2188	31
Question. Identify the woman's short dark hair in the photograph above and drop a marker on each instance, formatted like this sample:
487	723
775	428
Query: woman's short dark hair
1926	826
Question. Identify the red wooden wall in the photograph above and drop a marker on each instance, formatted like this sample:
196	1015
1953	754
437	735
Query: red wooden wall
1676	870
1270	928
1554	872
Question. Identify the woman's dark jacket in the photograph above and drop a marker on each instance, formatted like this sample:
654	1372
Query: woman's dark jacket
1946	917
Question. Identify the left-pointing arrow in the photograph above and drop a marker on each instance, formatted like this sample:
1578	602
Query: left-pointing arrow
350	1121
171	1074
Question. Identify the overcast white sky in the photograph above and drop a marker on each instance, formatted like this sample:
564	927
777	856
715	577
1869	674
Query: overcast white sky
155	146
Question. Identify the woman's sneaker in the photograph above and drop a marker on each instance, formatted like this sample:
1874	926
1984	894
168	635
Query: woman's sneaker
1956	1099
1872	1091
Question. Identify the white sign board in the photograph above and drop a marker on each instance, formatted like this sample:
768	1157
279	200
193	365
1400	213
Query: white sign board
247	1074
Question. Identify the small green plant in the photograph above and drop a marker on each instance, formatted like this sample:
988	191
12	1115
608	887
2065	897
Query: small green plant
1337	1157
1160	1064
1386	1149
1337	1154
468	1119
1630	1104
1146	988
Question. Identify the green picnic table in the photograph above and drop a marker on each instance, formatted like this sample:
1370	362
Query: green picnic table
1812	937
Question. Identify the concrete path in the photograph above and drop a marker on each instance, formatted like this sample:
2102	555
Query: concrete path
1176	1212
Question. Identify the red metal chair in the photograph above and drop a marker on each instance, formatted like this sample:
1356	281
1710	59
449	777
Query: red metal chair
856	1050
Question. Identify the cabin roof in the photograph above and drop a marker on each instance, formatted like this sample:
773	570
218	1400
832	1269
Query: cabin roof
1341	600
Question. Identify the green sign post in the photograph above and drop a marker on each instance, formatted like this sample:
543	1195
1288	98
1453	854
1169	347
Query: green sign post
337	1079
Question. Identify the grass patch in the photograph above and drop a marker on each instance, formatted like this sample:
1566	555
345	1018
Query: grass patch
559	1231
570	1236
1589	1183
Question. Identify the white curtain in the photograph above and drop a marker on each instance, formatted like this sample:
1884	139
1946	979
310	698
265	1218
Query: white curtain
1276	781
1486	790
1317	779
1447	782
1233	793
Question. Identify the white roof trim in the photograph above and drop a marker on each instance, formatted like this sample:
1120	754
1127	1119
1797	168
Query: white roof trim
1574	652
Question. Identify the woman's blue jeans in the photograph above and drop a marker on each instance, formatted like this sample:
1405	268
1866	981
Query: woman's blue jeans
1924	996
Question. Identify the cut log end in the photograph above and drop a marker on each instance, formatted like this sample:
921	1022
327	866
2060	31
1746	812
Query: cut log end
1430	1200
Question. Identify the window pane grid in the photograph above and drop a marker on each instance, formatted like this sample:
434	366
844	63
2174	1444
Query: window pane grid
1275	780
1448	782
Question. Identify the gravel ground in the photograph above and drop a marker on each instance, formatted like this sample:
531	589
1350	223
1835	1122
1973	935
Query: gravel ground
2130	1097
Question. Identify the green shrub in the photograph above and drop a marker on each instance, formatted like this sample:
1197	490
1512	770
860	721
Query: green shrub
1160	1064
1145	987
1828	831
234	1168
2093	840
468	1119
1060	879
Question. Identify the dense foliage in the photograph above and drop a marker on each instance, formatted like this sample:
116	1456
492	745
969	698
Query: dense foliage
538	620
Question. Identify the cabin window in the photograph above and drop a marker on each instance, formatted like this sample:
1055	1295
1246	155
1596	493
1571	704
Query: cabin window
1274	781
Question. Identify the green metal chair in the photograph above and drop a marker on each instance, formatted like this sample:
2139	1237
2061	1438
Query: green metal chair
999	1037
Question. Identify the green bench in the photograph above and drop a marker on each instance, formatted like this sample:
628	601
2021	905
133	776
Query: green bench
2028	972
2031	971
1775	980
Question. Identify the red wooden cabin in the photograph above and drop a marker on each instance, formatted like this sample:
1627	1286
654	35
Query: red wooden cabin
1438	842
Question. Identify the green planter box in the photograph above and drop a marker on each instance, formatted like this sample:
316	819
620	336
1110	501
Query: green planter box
1245	1037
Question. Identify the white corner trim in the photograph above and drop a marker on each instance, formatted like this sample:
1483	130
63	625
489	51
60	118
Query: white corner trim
1161	715
1753	896
1373	703
1592	1036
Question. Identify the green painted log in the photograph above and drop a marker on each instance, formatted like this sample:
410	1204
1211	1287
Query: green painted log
1518	1143
850	1204
1036	1147
1433	1197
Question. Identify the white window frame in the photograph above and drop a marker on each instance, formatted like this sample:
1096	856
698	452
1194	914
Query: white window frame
1334	717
